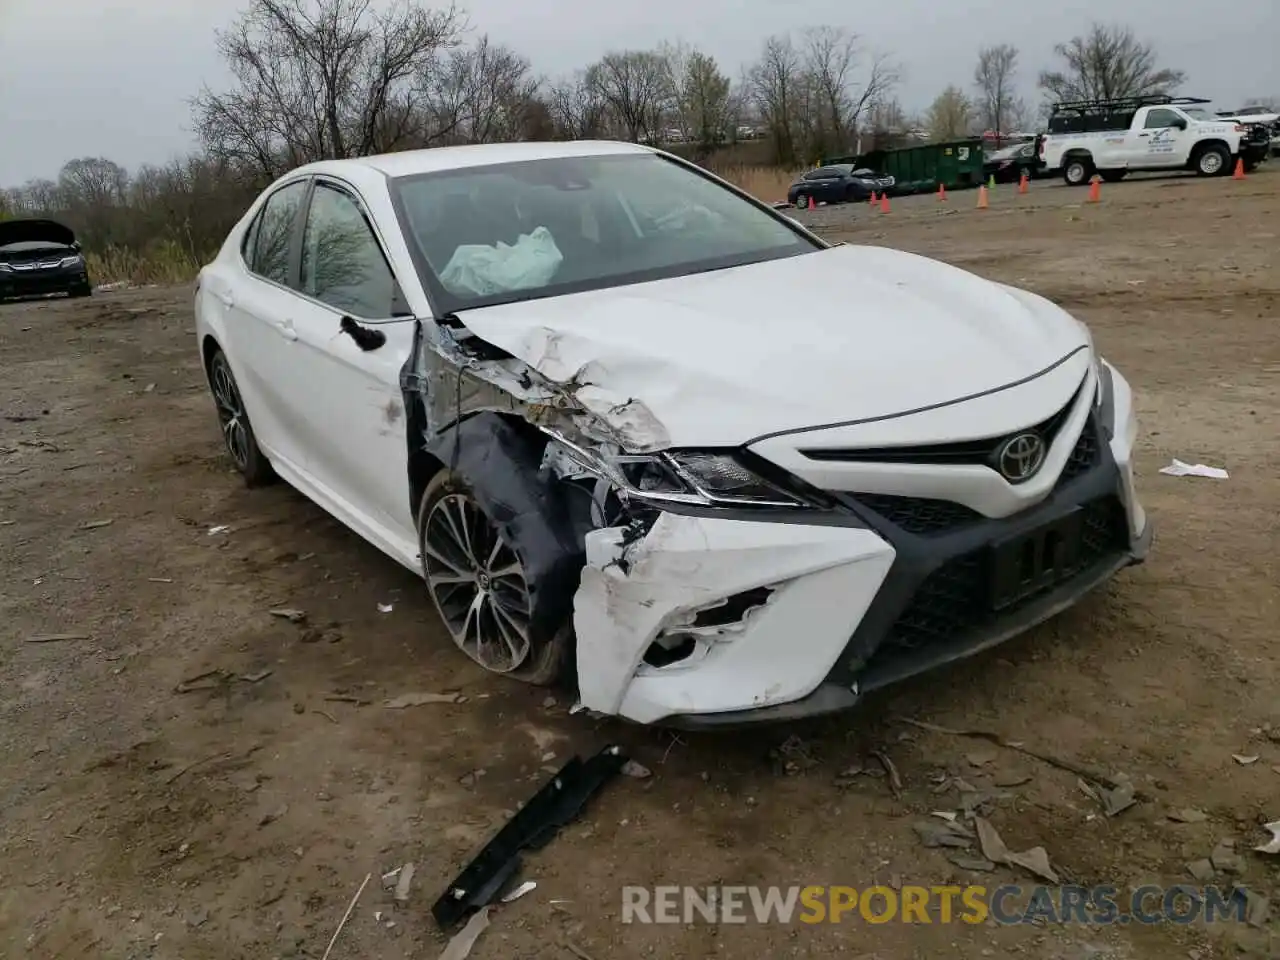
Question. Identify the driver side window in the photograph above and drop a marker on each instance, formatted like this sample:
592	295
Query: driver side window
1158	119
342	263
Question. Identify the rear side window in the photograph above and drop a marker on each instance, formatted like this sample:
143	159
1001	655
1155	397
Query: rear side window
267	244
342	263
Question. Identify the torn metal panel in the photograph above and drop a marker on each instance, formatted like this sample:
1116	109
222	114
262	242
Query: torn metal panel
635	591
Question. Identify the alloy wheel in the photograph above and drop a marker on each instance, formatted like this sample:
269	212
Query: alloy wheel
478	584
226	397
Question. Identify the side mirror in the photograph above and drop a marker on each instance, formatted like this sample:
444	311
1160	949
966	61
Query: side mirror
1180	124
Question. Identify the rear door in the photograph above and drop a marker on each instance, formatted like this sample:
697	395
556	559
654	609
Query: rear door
355	418
260	311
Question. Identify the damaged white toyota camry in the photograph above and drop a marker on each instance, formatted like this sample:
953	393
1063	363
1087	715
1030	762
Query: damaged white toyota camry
636	428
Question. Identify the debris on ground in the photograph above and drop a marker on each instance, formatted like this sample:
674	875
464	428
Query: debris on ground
1035	860
976	864
895	779
980	758
1201	870
1225	858
208	680
385	607
1187	815
347	916
1177	468
533	826
403	882
527	887
422	699
222	528
255	677
96	524
273	816
1070	766
1244	760
55	637
1272	845
289	613
792	756
1118	799
1257	908
637	770
947	833
459	947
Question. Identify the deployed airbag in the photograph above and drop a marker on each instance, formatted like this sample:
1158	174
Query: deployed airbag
476	268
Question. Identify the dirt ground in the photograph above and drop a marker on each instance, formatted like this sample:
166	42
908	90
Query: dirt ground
238	819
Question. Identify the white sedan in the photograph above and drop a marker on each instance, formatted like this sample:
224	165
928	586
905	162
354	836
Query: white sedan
636	428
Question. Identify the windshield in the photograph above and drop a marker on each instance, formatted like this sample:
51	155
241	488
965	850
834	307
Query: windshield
1197	113
541	228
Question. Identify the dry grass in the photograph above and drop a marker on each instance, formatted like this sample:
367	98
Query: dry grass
163	262
764	183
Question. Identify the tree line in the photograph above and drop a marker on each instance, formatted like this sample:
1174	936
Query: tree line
322	79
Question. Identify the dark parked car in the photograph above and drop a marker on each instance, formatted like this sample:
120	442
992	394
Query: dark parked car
1009	164
39	257
838	183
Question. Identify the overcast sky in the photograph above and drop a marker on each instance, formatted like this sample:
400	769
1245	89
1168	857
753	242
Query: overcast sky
85	78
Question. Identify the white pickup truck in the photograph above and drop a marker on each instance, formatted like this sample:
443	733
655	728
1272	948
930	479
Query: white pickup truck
1116	137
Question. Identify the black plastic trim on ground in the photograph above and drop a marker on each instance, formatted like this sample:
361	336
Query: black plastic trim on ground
557	803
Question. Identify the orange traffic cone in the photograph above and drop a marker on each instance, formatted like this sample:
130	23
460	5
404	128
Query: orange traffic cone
1023	183
942	192
1239	173
884	203
872	201
812	204
1095	189
982	198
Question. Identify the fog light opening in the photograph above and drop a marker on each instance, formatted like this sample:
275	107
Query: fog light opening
669	649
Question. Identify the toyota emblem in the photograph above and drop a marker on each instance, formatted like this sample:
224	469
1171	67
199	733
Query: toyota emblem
1020	457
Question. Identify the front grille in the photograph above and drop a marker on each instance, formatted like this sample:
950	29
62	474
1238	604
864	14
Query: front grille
1084	454
953	599
919	515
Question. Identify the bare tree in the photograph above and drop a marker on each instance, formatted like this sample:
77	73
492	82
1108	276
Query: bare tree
321	79
578	111
950	115
634	85
698	93
1106	63
774	84
994	78
833	59
482	94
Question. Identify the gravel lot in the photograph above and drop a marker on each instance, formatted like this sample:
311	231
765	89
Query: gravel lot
238	818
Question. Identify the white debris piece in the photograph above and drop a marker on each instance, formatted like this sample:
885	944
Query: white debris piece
1179	469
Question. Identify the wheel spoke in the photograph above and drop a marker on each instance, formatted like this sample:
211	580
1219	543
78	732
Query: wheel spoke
484	603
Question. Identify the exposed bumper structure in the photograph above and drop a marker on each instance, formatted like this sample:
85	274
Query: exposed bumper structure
707	621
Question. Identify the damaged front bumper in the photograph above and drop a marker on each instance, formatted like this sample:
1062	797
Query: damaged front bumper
709	621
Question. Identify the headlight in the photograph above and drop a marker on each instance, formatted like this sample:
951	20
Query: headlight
689	477
74	261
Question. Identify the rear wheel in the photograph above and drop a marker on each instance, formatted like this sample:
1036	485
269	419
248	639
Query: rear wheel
237	432
801	201
478	584
1076	171
1212	161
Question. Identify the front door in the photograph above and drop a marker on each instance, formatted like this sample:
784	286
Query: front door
358	448
1158	142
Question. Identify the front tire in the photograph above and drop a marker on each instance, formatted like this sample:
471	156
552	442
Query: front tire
1076	172
237	432
1212	161
477	582
802	202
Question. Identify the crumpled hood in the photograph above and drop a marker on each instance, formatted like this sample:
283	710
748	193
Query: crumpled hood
845	334
35	231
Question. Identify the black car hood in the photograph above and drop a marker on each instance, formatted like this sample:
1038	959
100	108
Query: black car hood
38	231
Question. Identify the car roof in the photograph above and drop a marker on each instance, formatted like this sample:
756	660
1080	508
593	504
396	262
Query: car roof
435	159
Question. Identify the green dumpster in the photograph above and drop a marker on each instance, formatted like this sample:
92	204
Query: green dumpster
955	164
